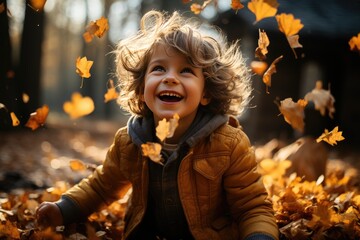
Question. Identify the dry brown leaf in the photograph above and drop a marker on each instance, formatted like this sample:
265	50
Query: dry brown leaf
111	93
79	106
38	118
263	43
15	120
354	43
323	99
293	41
293	113
166	129
83	68
263	8
236	5
331	137
153	151
258	67
96	28
269	72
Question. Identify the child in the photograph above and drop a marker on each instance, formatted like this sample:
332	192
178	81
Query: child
207	186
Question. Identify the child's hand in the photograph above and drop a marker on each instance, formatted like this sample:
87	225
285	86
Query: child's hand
49	215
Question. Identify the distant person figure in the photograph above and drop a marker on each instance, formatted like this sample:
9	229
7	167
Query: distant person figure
208	186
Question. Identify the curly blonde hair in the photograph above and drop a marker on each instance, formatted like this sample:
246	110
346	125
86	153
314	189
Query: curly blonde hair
227	79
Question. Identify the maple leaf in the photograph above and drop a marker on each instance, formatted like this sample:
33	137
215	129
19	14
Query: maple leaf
15	120
166	129
263	8
354	43
263	43
270	71
322	99
293	112
96	28
111	93
236	5
83	68
79	106
38	118
331	137
258	67
152	150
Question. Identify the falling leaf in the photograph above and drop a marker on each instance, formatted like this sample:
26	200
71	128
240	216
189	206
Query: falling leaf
152	150
197	8
354	43
78	106
37	4
263	43
258	67
38	118
166	129
236	5
322	99
288	24
263	8
15	120
331	137
96	28
83	68
111	93
77	165
269	72
293	112
25	98
293	41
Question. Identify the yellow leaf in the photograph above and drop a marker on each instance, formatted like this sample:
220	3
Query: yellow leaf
152	150
77	165
15	120
258	67
111	93
37	4
354	43
331	137
263	8
166	129
38	118
79	106
288	24
197	8
236	5
293	113
270	71
83	67
323	100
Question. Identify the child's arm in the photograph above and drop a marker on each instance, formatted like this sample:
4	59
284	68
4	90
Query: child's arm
246	193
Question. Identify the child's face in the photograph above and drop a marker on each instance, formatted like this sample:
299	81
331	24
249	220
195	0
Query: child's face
173	85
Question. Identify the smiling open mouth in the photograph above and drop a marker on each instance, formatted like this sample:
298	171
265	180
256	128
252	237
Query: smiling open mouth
170	97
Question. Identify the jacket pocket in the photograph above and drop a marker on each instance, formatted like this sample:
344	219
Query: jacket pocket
225	228
211	167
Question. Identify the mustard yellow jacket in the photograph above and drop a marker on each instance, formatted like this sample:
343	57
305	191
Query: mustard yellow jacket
221	192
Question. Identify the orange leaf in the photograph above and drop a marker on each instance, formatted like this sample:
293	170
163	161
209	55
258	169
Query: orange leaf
258	67
322	99
263	43
331	137
38	118
15	120
271	70
293	41
111	93
83	68
197	8
166	129
288	24
37	4
354	43
96	28
293	113
78	165
263	8
236	5
152	150
79	106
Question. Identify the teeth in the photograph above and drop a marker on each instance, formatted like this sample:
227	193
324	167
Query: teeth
170	95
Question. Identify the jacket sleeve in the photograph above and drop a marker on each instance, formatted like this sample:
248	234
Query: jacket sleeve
105	185
246	194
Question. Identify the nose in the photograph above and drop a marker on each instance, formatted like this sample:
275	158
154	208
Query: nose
170	79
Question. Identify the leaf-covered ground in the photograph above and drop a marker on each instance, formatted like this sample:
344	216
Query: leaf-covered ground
35	167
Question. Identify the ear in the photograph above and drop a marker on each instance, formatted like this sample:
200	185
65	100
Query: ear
204	100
